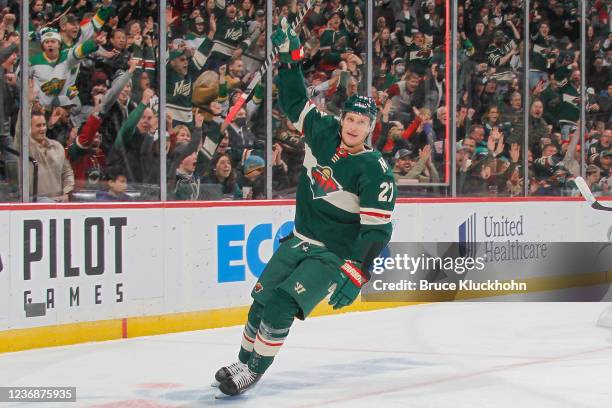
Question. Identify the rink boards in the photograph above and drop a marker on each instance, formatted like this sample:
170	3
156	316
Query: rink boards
83	272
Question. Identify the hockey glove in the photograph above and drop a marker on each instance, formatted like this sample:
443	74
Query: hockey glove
350	280
288	43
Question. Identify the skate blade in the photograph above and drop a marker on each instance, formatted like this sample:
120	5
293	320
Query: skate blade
215	384
221	395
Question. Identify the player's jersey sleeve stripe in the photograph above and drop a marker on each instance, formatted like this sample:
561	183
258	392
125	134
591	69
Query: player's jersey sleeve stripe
376	212
374	216
299	125
373	220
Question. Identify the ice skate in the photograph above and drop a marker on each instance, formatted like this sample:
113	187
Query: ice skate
238	383
226	372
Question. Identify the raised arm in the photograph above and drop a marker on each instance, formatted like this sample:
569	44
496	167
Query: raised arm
293	95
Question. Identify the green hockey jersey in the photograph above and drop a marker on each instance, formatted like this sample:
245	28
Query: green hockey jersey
540	52
419	59
569	108
231	33
179	91
344	200
54	78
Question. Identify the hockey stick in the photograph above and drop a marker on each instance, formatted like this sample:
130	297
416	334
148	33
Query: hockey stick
264	67
588	195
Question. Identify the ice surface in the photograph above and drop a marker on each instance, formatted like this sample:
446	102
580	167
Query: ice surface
492	355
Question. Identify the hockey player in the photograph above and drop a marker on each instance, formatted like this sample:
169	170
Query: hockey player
345	198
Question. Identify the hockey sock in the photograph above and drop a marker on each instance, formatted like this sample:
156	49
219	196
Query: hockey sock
250	332
275	323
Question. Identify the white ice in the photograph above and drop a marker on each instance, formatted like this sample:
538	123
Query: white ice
492	355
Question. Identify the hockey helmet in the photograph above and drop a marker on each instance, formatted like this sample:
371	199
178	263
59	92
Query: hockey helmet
363	105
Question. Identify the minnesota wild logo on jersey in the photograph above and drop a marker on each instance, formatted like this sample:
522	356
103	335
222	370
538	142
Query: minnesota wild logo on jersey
323	181
53	87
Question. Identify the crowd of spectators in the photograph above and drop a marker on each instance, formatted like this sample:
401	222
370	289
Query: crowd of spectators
490	122
95	101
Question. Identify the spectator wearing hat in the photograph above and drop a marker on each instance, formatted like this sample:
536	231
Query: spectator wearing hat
198	34
59	124
402	163
258	22
75	30
398	69
605	162
252	181
37	21
332	39
69	30
416	167
186	184
54	70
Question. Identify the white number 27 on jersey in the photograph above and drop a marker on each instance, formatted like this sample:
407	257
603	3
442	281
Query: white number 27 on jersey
386	193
